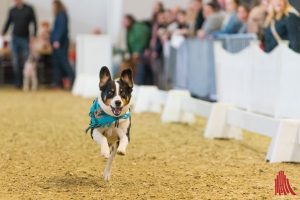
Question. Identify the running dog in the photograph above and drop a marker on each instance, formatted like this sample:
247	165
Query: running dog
110	116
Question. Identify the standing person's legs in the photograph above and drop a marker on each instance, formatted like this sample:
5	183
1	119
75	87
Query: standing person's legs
156	70
16	54
139	78
162	76
20	52
65	63
56	73
24	46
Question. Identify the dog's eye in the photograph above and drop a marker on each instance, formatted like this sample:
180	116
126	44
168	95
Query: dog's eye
122	94
111	93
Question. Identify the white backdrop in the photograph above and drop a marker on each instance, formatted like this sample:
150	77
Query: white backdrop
84	16
4	4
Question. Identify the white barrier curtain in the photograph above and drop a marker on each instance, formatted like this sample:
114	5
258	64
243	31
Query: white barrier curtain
4	5
84	16
114	19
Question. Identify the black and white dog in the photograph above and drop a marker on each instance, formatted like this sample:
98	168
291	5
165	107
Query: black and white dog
110	115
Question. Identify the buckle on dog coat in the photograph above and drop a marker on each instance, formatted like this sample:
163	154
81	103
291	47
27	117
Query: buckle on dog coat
101	119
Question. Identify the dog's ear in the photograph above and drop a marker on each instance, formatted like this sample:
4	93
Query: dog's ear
104	76
126	77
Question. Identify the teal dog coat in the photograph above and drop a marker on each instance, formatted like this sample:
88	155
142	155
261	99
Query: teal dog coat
101	119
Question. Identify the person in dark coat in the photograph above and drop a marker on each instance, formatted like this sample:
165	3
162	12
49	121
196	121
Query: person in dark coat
156	50
295	4
60	43
199	18
293	31
270	41
282	23
21	16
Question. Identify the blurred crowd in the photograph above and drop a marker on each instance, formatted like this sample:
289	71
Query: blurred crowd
143	47
28	45
273	22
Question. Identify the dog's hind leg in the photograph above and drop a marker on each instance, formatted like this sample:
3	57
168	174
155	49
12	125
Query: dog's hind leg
26	83
34	82
107	170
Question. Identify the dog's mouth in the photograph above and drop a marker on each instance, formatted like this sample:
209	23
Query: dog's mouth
116	111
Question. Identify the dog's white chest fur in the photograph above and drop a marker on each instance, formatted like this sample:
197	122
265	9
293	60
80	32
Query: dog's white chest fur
112	133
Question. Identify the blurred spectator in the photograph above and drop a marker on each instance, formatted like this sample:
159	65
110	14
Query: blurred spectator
243	15
231	23
197	5
157	8
222	4
282	23
249	3
213	19
172	25
293	29
169	17
60	43
138	35
182	24
20	16
191	15
175	10
156	50
257	18
295	4
97	31
171	21
41	43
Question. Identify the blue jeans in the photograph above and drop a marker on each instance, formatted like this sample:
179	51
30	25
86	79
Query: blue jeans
20	52
61	65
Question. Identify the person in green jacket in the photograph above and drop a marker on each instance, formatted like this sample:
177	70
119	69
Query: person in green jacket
137	36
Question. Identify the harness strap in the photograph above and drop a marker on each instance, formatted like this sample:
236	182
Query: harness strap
117	123
91	132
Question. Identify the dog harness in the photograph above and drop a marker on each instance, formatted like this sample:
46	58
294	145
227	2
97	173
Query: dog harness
101	119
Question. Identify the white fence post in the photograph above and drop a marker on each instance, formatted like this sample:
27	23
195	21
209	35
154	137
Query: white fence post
285	146
143	99
217	126
173	111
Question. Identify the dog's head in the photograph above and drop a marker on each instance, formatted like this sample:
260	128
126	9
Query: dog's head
115	94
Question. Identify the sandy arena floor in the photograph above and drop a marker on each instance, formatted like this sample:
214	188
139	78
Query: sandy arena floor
44	154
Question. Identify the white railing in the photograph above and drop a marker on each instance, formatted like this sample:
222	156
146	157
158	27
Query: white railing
256	91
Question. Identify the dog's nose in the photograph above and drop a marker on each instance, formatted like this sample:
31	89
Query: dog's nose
118	103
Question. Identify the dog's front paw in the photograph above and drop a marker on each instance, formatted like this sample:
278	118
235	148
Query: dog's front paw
121	151
106	176
105	152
